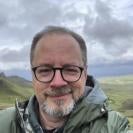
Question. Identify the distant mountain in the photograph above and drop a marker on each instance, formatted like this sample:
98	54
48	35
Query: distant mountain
20	81
2	74
8	88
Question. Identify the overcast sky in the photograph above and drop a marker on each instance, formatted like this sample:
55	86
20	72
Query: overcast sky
107	27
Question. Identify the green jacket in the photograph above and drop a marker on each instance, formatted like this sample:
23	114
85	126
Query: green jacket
90	115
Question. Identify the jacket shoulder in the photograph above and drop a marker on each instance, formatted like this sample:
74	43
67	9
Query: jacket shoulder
117	122
7	119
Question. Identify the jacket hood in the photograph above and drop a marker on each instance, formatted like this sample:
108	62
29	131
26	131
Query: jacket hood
94	92
91	107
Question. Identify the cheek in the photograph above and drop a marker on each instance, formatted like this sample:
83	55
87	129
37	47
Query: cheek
39	86
82	82
78	88
39	89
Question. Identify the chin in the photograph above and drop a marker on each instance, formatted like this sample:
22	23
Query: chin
58	108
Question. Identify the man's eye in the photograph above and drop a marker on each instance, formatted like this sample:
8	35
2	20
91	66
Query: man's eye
71	71
44	71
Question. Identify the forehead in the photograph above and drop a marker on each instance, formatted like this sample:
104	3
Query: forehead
57	46
53	38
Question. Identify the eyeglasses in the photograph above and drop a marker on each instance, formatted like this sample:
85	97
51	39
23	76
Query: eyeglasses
46	74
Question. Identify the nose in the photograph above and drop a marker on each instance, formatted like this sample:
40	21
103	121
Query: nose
57	80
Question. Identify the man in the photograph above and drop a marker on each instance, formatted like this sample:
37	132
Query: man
66	99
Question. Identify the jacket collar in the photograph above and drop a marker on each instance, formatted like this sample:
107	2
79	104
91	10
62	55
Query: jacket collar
92	106
89	108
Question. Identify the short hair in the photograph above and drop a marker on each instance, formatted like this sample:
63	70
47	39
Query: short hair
59	30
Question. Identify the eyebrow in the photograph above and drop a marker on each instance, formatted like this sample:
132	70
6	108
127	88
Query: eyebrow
65	65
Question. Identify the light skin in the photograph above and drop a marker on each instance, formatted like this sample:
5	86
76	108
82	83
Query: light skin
57	50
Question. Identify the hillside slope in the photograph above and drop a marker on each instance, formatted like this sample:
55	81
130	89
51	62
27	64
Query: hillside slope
11	88
20	81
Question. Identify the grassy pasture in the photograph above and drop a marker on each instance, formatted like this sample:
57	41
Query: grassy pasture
120	93
10	91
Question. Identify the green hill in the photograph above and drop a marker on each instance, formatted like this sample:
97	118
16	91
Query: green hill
12	88
20	81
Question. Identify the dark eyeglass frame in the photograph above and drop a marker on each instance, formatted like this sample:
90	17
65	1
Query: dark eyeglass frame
61	71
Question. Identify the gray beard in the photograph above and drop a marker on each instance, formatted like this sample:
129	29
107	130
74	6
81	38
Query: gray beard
58	113
63	110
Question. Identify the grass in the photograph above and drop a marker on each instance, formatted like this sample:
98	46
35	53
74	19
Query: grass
10	90
120	93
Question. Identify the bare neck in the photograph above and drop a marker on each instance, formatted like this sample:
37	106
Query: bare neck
49	122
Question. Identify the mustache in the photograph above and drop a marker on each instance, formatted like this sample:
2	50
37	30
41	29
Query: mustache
59	91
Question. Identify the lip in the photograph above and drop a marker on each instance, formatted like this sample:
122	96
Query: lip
63	96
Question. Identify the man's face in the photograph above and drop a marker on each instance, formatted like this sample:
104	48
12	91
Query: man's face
57	98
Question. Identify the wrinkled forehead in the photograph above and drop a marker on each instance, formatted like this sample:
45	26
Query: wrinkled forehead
57	45
55	41
59	35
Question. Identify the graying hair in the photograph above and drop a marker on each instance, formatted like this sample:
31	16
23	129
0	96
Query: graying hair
59	30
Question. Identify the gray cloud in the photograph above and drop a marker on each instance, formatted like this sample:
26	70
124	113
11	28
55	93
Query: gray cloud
105	30
13	56
105	26
22	19
40	13
113	33
109	37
